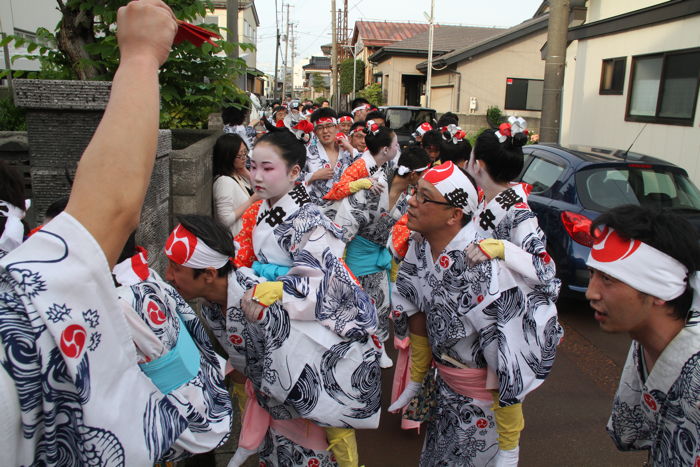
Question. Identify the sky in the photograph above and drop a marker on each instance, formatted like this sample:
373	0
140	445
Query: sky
312	19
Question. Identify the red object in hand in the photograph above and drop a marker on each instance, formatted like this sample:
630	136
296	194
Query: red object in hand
340	136
305	126
194	34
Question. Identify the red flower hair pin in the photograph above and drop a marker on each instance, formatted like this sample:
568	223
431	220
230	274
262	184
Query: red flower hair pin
372	127
194	34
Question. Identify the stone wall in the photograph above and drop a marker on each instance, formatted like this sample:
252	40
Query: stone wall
61	119
191	175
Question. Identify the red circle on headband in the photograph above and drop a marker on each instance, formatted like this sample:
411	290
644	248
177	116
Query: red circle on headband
609	246
180	245
439	173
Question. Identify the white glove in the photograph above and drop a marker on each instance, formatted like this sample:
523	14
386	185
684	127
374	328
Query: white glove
507	458
412	389
240	456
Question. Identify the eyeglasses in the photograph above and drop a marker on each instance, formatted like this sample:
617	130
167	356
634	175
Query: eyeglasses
330	126
422	199
242	155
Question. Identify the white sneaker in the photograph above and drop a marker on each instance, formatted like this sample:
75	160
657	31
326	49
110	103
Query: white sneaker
384	360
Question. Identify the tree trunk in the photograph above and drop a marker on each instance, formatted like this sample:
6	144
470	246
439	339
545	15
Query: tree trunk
75	32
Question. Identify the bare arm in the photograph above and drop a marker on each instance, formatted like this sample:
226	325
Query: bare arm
115	169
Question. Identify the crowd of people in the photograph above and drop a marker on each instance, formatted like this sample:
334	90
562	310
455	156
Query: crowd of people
328	243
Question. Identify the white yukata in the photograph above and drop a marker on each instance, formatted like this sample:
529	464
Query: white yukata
160	321
313	355
316	159
660	412
508	217
66	346
366	222
468	321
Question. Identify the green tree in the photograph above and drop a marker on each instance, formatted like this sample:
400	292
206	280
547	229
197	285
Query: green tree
195	81
318	82
373	93
346	68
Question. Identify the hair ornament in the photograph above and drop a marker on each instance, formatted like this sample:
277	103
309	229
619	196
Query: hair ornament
372	127
422	129
403	170
514	126
452	133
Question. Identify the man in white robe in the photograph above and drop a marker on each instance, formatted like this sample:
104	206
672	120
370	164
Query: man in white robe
644	281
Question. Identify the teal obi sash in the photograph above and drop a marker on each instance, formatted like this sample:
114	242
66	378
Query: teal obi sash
269	271
177	366
364	257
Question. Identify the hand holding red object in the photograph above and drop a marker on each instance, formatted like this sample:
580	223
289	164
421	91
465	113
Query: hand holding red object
194	34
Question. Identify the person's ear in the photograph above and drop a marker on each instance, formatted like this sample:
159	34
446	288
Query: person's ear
294	172
210	274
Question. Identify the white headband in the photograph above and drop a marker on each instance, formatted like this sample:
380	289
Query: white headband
362	107
639	265
14	229
184	248
457	189
403	170
133	270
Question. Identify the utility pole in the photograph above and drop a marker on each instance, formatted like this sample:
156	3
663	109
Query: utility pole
286	51
291	84
428	81
334	57
277	52
554	70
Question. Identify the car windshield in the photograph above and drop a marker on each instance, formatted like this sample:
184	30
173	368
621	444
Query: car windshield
602	188
407	120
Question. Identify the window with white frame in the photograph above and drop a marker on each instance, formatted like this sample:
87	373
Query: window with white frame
664	88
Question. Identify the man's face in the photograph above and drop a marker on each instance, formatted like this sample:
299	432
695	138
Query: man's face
326	133
360	115
345	127
358	141
423	216
325	104
618	307
182	278
380	121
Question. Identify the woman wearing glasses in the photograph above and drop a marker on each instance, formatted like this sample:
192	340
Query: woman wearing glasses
232	192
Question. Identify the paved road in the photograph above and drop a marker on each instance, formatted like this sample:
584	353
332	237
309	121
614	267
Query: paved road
565	418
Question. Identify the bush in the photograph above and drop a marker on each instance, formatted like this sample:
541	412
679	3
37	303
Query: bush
373	93
346	68
11	117
494	116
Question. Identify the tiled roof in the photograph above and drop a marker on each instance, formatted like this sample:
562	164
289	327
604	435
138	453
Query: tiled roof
318	63
445	39
381	33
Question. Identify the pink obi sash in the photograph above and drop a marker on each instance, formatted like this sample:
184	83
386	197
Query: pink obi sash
470	382
402	374
257	420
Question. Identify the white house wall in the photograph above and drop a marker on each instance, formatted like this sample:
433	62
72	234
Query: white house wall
484	77
27	16
601	9
392	70
593	119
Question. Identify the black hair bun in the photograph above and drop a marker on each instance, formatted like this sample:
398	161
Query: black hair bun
519	140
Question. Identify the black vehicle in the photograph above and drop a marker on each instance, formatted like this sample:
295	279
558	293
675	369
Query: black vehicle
572	185
404	119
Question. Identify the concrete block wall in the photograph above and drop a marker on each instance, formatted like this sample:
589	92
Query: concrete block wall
61	119
191	177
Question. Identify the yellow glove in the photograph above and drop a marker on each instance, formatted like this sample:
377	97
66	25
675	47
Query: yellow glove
421	356
241	396
509	423
361	184
267	293
343	445
493	248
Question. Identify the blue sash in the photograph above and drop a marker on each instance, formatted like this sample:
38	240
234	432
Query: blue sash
177	366
269	271
364	257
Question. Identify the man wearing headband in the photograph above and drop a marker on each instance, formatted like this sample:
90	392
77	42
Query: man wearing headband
327	156
360	107
455	319
304	374
644	281
71	390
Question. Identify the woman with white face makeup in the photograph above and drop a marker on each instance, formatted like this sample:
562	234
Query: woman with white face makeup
296	323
